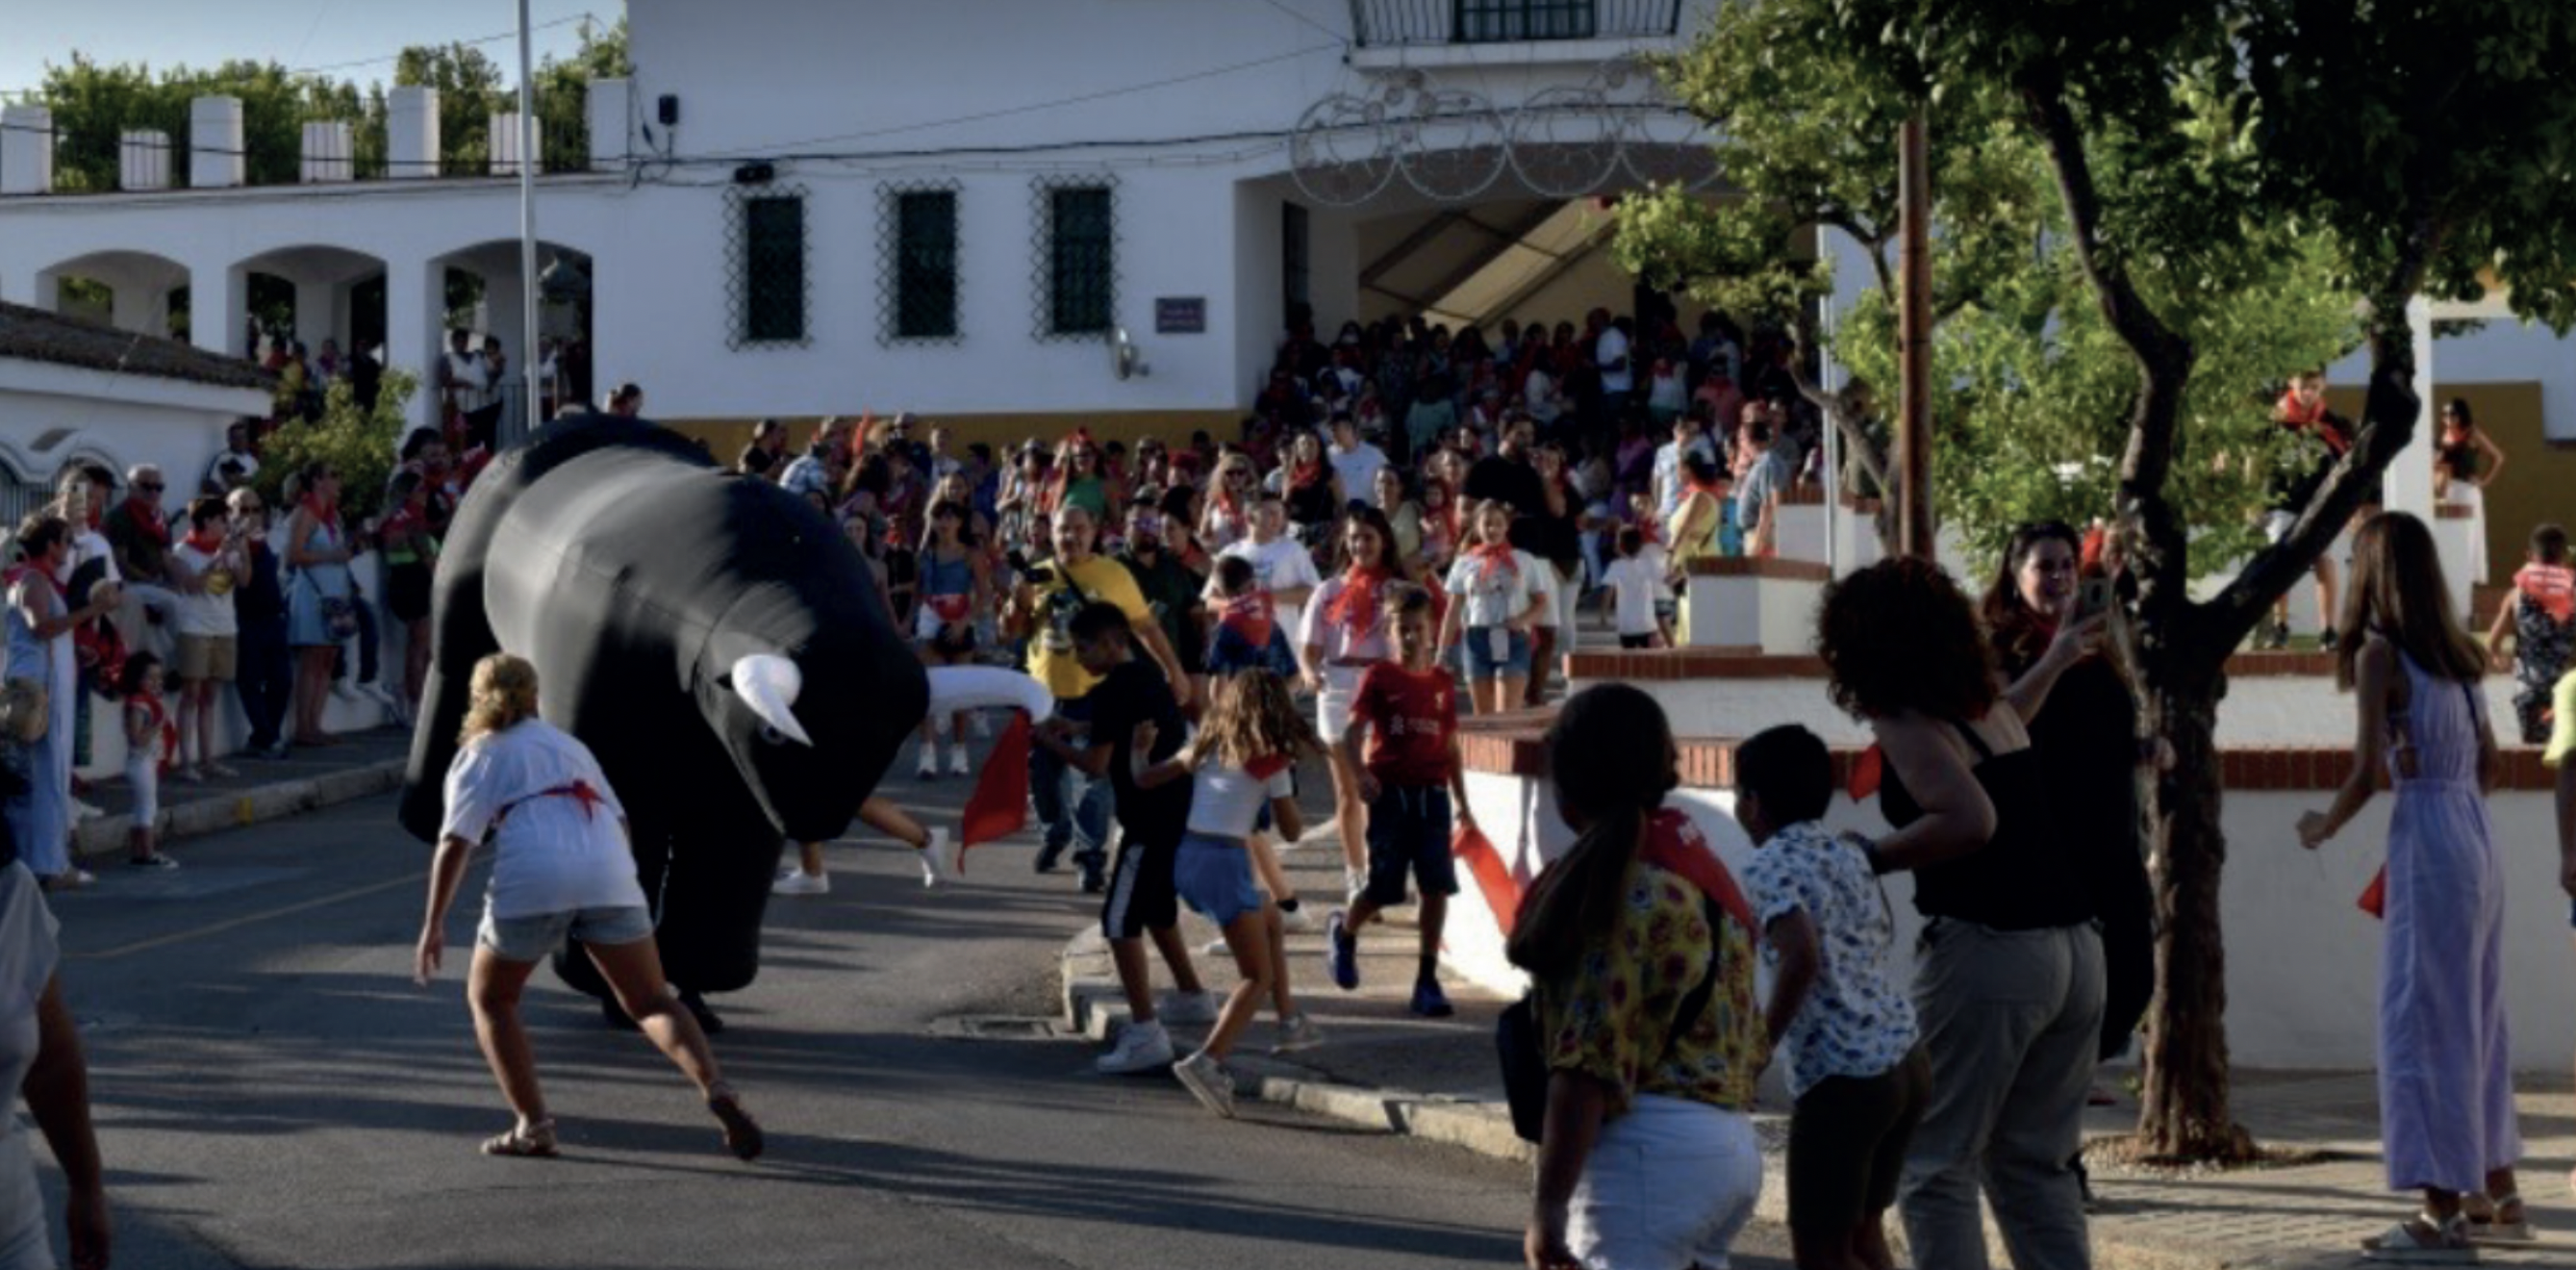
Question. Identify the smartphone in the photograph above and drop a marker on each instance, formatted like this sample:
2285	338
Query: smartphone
2092	597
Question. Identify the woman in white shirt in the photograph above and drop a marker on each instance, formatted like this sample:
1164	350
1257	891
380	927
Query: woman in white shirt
562	866
40	1057
1499	597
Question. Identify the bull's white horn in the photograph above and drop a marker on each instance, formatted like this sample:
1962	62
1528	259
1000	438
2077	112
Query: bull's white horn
768	683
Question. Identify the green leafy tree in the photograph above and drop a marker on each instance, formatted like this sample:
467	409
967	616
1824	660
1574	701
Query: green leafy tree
359	444
563	93
2197	149
94	105
470	92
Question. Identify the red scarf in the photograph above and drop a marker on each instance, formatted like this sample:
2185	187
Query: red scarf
1306	474
1355	606
326	513
1492	556
158	719
2552	587
19	571
209	545
148	521
1714	489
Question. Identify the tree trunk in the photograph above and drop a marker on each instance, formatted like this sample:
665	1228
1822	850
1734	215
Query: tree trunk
2184	1111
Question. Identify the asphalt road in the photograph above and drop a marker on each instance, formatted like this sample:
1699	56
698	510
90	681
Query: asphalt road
271	1090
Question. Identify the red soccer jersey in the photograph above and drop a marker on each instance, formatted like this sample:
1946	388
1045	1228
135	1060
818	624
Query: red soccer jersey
1411	717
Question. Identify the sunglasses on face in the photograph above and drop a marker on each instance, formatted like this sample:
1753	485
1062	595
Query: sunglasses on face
149	487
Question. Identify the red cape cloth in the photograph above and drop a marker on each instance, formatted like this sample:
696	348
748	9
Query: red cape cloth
1000	804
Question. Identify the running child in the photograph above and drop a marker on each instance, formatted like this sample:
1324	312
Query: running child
1414	785
1240	758
149	739
1140	903
2540	616
1249	636
1859	1082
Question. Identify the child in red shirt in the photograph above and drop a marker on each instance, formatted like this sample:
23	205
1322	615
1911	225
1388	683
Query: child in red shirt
1413	782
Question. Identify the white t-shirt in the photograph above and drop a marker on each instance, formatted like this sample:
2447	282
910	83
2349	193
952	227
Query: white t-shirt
1635	585
1669	480
552	851
1339	641
215	470
28	953
1496	595
1613	349
1226	801
1358	467
208	612
1282	565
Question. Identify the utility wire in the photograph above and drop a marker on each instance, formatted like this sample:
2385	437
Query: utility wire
511	34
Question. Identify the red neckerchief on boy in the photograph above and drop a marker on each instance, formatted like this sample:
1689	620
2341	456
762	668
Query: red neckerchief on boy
1250	616
205	543
147	520
1355	606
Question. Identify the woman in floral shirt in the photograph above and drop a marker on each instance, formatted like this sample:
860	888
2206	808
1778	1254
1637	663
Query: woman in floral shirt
1642	951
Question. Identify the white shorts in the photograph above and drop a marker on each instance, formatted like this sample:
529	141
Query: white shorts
1333	704
1671	1183
1562	592
143	776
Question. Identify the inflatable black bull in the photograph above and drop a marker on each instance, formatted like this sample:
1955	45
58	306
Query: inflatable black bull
714	640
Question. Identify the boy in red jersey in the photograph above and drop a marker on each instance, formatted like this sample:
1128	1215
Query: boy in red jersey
1412	780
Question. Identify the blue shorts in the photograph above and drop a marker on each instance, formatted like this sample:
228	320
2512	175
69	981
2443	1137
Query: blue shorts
1214	877
536	937
1408	834
1483	665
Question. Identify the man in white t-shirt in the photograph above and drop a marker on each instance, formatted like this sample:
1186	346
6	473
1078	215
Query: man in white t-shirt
1610	353
1280	564
1355	461
1688	438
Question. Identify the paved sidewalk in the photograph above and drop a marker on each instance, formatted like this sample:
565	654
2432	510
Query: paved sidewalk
362	764
1379	1066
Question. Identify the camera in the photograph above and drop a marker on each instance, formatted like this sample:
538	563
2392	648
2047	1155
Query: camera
1032	574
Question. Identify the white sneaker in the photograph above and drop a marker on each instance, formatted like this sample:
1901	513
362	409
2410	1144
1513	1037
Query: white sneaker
983	726
958	765
1297	921
346	691
1141	1047
378	694
943	861
799	882
1297	1032
86	810
928	767
1208	1081
1217	948
1186	1007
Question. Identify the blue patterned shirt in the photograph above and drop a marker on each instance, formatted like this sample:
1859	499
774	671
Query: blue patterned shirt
1856	1020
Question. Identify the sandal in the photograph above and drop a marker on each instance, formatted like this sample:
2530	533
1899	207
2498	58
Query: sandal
742	1134
2488	1224
2424	1240
535	1142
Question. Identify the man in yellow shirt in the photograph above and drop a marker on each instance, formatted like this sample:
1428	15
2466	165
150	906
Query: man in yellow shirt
1041	607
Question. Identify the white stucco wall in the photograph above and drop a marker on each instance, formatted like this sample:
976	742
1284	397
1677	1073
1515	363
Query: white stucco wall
2259	709
2302	960
51	413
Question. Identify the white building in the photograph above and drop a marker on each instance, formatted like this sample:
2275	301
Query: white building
799	208
73	390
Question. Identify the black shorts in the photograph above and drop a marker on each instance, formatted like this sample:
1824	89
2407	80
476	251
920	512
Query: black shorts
1140	896
1636	641
1408	834
407	591
1847	1140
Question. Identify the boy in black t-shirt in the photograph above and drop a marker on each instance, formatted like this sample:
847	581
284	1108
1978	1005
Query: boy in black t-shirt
1140	902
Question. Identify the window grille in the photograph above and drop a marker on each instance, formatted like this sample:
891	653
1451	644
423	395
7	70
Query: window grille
918	289
1489	21
1077	260
768	271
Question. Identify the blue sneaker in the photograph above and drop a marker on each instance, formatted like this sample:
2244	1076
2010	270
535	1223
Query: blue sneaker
1341	953
1430	1002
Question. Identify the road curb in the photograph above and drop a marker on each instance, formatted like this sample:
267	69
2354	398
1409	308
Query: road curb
1094	1006
236	809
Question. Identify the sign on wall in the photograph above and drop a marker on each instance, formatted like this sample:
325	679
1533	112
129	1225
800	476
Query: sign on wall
1180	315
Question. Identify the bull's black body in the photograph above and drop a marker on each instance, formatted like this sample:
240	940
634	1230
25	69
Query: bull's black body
634	574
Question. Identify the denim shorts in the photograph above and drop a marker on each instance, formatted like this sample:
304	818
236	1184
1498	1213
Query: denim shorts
537	936
1483	665
1214	877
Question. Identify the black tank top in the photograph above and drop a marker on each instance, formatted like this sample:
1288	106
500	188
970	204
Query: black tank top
2025	877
